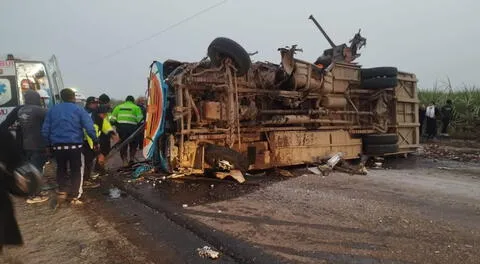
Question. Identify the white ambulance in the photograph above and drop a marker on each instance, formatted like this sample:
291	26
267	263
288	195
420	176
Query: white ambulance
17	76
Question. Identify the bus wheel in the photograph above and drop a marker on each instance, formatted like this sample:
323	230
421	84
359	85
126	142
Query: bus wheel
217	154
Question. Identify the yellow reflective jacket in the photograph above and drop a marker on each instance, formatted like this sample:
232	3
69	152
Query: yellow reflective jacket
106	129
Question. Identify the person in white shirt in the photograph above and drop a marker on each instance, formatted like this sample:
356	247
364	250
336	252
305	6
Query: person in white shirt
431	116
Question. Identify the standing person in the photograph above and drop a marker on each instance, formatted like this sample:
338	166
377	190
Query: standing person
430	114
127	117
10	158
30	120
447	114
91	104
104	139
421	117
104	101
102	126
141	103
63	130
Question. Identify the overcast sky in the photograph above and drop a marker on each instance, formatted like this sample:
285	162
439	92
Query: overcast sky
432	39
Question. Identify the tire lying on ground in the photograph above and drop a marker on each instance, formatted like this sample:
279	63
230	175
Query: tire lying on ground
380	139
224	47
214	153
370	73
380	149
380	83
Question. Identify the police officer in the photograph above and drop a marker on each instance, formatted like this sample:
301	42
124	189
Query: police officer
127	117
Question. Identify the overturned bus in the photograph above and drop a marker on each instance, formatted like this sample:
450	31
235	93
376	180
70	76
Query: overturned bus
227	111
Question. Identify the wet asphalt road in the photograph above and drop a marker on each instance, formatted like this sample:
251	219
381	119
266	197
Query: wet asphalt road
164	240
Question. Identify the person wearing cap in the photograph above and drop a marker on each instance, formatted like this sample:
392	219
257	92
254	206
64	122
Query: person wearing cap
63	130
102	127
30	119
104	139
127	117
91	104
104	100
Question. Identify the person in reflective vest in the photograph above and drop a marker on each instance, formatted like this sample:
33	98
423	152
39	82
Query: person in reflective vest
89	152
127	117
105	146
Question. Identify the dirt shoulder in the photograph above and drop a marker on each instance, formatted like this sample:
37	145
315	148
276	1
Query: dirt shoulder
69	235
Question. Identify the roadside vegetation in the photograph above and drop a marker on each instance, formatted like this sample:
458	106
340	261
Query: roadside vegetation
466	103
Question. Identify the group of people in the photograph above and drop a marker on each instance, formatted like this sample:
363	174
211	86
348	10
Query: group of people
74	135
431	114
78	138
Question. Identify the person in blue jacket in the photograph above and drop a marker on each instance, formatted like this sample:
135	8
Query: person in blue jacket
63	130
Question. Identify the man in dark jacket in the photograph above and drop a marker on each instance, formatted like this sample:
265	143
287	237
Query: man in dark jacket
10	158
63	130
422	110
30	117
447	114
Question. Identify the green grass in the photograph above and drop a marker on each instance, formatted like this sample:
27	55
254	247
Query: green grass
466	102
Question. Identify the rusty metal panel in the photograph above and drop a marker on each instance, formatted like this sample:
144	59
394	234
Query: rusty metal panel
212	110
343	142
291	148
346	72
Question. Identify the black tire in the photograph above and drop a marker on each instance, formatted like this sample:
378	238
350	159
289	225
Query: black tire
169	66
380	149
378	72
214	153
380	139
380	83
324	60
225	47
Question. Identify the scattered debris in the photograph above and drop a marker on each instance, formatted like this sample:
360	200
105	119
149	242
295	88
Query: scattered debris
314	170
463	154
115	193
332	162
224	165
142	169
173	176
208	252
444	168
235	174
325	169
284	173
344	166
184	205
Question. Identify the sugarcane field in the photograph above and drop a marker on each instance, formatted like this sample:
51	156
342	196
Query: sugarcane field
222	131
